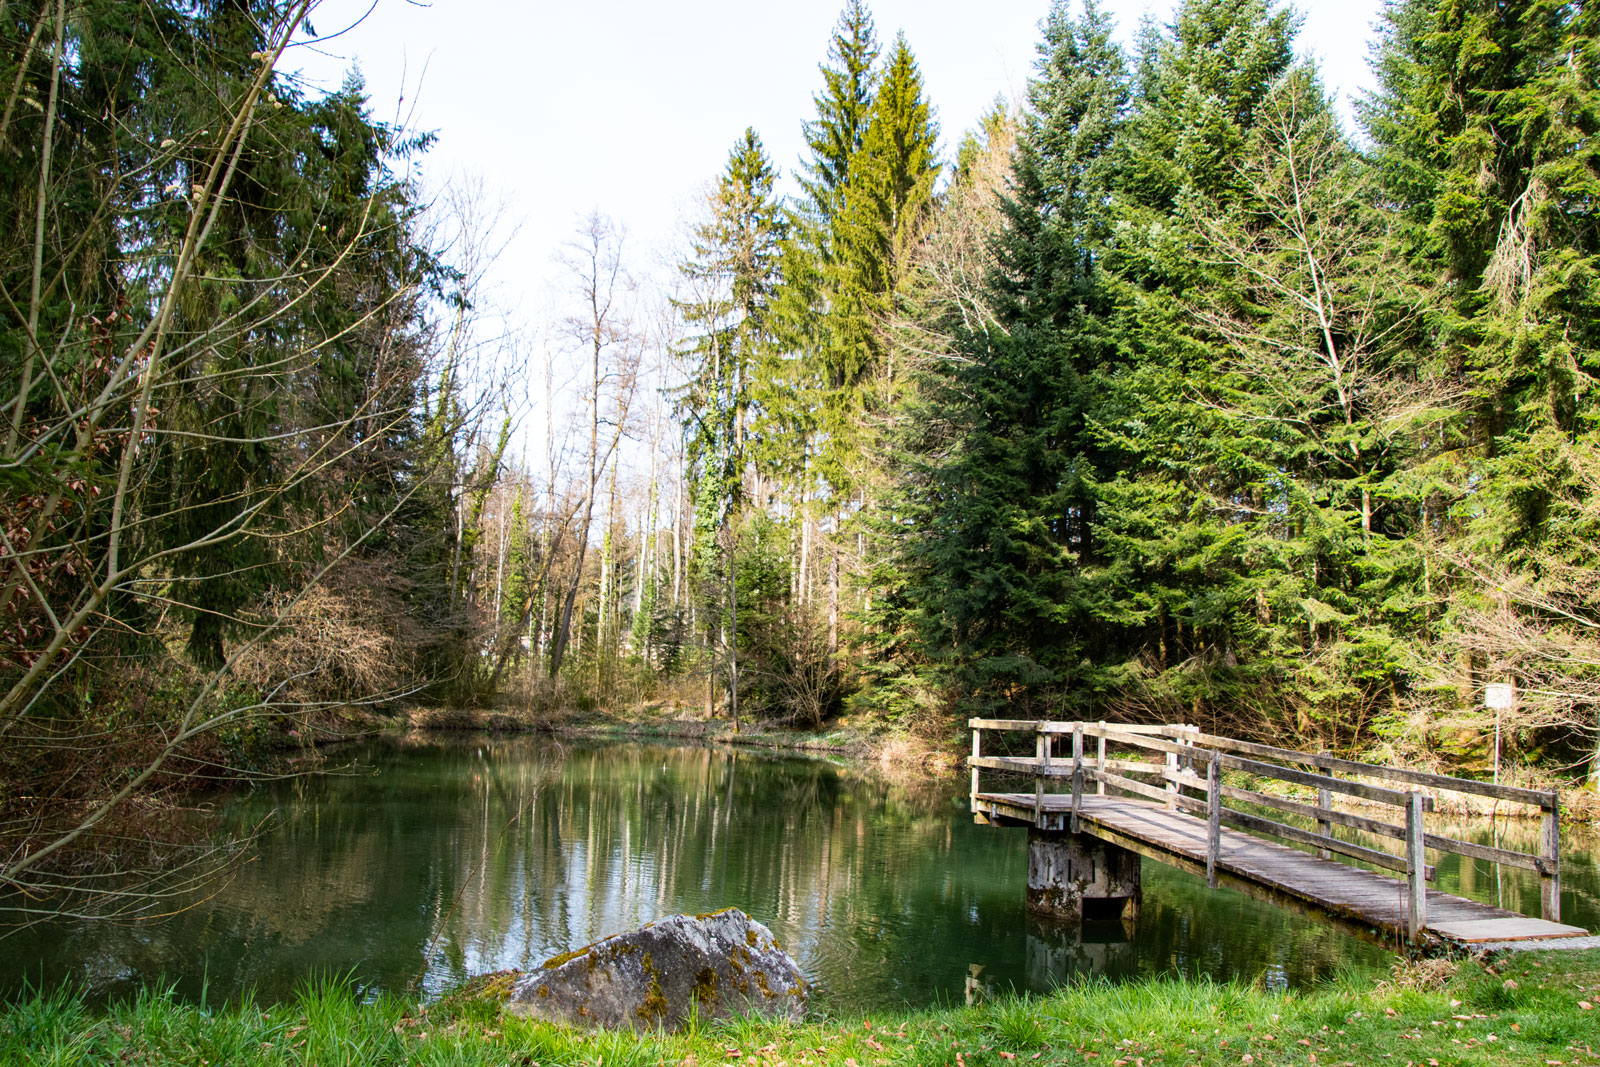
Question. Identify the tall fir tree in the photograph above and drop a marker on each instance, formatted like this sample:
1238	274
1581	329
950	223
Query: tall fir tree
996	515
1178	587
881	213
731	278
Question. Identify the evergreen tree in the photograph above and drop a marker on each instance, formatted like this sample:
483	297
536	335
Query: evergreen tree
844	111
882	212
731	279
1177	587
997	514
1485	124
810	274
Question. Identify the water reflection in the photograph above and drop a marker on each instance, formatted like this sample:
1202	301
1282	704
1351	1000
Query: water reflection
1058	954
433	860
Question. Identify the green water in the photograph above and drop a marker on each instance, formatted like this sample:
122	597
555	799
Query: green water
429	860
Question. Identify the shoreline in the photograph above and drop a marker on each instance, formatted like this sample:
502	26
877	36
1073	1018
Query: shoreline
899	753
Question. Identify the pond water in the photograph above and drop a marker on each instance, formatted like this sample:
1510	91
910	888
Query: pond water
429	859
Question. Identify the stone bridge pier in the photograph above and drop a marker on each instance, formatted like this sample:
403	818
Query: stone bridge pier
1074	877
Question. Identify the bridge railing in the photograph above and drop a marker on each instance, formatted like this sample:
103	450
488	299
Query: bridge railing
1187	775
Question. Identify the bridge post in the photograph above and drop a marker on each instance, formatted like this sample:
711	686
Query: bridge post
1100	761
1073	876
1041	757
1324	803
1550	876
1416	870
977	751
1077	772
1213	817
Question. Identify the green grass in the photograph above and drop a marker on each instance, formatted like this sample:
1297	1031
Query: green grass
1523	1011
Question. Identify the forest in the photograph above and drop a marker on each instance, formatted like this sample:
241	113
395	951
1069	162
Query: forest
1163	396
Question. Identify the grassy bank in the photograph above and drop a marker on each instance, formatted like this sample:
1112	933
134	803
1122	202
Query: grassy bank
1531	1009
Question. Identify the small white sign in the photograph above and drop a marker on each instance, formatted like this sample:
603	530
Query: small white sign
1499	695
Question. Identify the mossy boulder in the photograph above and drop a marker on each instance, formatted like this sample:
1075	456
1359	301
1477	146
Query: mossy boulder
656	977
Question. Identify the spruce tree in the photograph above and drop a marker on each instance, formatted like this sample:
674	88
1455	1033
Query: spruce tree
1179	586
1485	123
996	514
882	211
731	278
844	110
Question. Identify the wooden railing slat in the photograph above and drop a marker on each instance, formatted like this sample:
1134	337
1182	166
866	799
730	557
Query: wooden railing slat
1117	781
1020	765
1384	829
1375	793
1312	811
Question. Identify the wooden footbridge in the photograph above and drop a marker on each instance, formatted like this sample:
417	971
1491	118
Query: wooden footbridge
1196	801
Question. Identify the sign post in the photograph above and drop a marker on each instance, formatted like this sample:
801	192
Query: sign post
1499	696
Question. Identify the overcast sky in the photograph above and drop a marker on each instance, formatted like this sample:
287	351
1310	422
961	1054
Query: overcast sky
630	106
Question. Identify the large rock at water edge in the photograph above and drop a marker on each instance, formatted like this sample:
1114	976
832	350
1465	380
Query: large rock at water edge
712	965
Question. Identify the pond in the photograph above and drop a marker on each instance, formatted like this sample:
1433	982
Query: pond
430	859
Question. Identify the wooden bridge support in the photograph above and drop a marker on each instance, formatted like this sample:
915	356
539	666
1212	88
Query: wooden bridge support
1078	876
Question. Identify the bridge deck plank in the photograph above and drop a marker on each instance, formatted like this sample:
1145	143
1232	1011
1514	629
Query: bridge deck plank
1350	893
